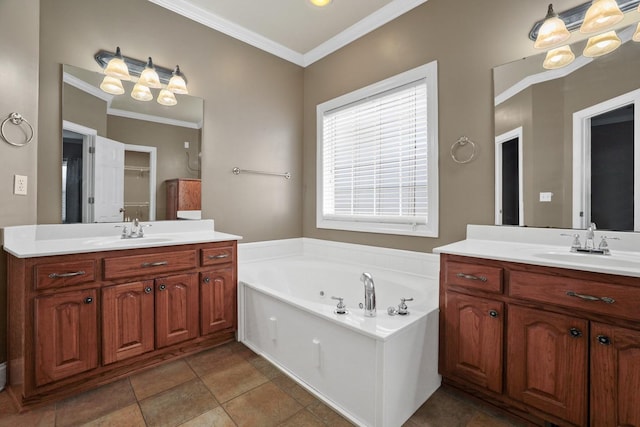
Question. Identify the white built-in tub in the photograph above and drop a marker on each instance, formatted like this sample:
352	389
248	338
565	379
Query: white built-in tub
375	371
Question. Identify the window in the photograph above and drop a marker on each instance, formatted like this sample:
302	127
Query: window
378	157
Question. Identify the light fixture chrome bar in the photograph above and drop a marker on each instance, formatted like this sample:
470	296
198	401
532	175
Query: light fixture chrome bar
136	66
573	17
238	171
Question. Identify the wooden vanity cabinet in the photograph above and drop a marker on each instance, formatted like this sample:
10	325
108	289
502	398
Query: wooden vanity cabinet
557	357
82	320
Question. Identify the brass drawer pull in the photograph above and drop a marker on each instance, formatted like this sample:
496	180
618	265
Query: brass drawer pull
154	264
471	277
220	256
591	297
63	275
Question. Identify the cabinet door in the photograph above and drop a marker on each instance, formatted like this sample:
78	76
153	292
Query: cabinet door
615	376
66	333
127	320
547	362
176	309
473	340
217	300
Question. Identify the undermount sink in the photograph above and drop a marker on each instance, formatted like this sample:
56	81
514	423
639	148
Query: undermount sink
616	259
117	241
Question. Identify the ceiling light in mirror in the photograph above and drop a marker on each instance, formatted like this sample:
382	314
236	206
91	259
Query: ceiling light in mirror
149	77
141	93
601	15
636	35
602	44
112	85
558	58
166	97
552	32
177	83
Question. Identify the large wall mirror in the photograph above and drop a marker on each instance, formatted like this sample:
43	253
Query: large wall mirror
124	159
567	150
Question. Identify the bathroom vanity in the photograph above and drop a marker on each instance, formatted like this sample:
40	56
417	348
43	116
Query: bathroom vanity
87	310
543	333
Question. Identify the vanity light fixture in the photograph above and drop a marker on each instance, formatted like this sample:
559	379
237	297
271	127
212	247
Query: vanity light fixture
601	15
177	83
149	76
558	58
141	92
117	67
602	44
552	32
166	97
636	35
112	85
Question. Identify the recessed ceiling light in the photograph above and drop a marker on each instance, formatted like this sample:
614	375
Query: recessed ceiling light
320	3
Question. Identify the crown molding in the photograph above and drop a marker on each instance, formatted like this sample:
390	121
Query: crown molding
372	22
359	29
86	87
151	118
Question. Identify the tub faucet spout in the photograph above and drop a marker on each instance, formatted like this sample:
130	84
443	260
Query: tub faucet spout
369	295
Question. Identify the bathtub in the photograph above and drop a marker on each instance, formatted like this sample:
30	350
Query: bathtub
376	371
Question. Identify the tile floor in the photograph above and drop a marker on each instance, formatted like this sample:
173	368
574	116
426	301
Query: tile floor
227	386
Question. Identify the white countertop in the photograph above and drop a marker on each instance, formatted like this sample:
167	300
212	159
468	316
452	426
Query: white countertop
27	241
548	247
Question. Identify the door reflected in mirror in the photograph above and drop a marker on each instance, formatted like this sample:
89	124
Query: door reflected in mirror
118	153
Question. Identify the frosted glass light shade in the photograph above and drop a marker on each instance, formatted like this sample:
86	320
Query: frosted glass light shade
112	85
149	77
558	58
601	15
636	35
166	97
141	93
602	44
552	32
320	3
117	67
177	83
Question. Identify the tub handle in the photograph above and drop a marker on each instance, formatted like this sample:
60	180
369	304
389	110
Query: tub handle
273	328
340	308
316	353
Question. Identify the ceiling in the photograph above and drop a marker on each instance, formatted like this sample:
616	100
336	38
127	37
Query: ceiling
294	30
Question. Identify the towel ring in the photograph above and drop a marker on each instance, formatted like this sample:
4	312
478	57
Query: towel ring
462	141
16	119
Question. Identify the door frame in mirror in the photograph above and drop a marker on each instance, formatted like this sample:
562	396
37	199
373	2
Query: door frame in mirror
499	140
88	182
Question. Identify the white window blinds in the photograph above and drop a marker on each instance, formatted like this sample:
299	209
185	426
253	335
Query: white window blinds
375	157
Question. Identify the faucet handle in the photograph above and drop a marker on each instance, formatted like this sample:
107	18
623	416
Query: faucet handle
576	241
402	307
340	307
125	232
604	246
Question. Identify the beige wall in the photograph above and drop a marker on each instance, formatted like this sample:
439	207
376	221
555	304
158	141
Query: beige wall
252	107
84	109
467	38
19	87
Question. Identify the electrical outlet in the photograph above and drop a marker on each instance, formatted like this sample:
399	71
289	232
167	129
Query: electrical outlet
20	185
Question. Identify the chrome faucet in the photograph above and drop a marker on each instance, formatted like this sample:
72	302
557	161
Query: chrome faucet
135	231
589	242
369	295
589	236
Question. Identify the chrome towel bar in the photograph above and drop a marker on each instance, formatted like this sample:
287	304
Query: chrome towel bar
238	171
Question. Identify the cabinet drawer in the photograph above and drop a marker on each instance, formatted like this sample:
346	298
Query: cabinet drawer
213	256
61	274
143	265
474	276
596	297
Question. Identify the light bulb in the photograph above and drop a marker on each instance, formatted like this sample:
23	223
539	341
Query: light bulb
141	92
602	44
602	14
149	77
552	32
112	85
558	58
177	83
116	67
166	97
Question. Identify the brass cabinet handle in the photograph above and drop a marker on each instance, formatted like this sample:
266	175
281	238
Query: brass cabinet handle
63	275
220	256
591	297
471	277
154	264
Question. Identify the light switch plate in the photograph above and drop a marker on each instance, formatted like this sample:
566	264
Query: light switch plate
546	196
20	185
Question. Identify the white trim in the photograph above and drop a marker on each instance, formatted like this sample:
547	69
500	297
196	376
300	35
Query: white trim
80	84
377	19
152	118
153	166
582	157
501	139
430	73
